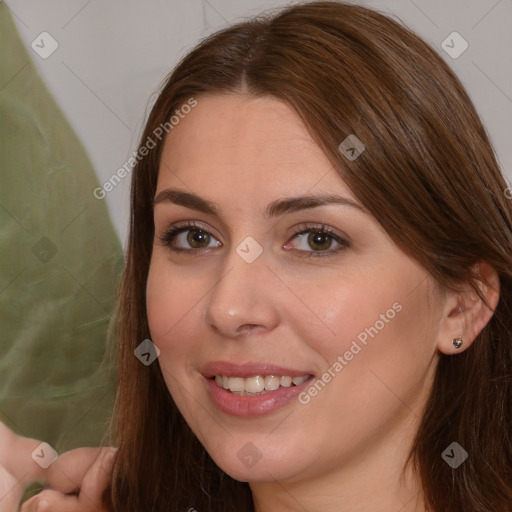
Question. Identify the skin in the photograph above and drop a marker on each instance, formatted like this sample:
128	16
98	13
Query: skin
17	469
345	449
77	478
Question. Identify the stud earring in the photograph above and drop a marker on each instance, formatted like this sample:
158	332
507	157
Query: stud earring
457	342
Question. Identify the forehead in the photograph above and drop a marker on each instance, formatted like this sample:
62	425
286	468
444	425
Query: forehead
245	145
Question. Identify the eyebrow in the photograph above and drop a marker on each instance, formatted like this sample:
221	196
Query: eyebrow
274	209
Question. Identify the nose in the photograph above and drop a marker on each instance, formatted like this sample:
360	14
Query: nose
244	299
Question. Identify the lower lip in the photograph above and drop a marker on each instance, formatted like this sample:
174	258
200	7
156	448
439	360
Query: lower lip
256	405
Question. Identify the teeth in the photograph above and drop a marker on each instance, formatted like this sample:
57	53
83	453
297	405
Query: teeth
236	384
255	384
258	384
286	382
272	383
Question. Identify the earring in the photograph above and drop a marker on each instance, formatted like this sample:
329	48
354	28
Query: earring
457	342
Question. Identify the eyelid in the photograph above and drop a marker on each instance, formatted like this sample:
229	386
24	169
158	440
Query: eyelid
305	227
190	224
169	234
342	239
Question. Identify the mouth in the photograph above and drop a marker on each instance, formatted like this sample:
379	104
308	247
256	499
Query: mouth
253	389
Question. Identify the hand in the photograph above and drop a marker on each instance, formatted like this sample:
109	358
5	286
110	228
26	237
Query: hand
10	490
17	468
77	479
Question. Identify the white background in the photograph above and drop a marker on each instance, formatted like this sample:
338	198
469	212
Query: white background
113	55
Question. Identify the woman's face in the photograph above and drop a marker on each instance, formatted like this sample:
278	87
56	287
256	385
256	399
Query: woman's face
277	280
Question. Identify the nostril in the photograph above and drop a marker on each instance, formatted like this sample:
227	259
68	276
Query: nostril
248	327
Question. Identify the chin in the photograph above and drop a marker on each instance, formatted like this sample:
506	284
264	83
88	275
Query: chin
265	464
260	472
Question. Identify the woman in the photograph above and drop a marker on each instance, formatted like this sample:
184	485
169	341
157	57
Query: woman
320	250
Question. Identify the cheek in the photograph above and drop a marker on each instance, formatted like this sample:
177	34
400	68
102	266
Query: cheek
388	356
384	373
380	339
348	311
173	304
170	301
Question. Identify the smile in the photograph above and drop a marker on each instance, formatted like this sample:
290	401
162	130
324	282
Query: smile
258	385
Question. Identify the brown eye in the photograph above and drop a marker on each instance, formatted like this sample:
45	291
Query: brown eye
317	241
320	241
198	239
188	238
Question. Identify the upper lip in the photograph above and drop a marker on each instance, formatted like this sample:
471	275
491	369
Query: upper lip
230	369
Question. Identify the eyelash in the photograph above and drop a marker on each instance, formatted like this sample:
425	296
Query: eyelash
169	235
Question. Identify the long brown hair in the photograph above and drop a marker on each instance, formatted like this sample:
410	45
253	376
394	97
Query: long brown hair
428	175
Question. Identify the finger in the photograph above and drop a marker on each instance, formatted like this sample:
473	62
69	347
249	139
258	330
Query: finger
10	498
52	501
11	491
98	477
68	471
15	454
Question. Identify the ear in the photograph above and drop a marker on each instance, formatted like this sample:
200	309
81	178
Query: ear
465	314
